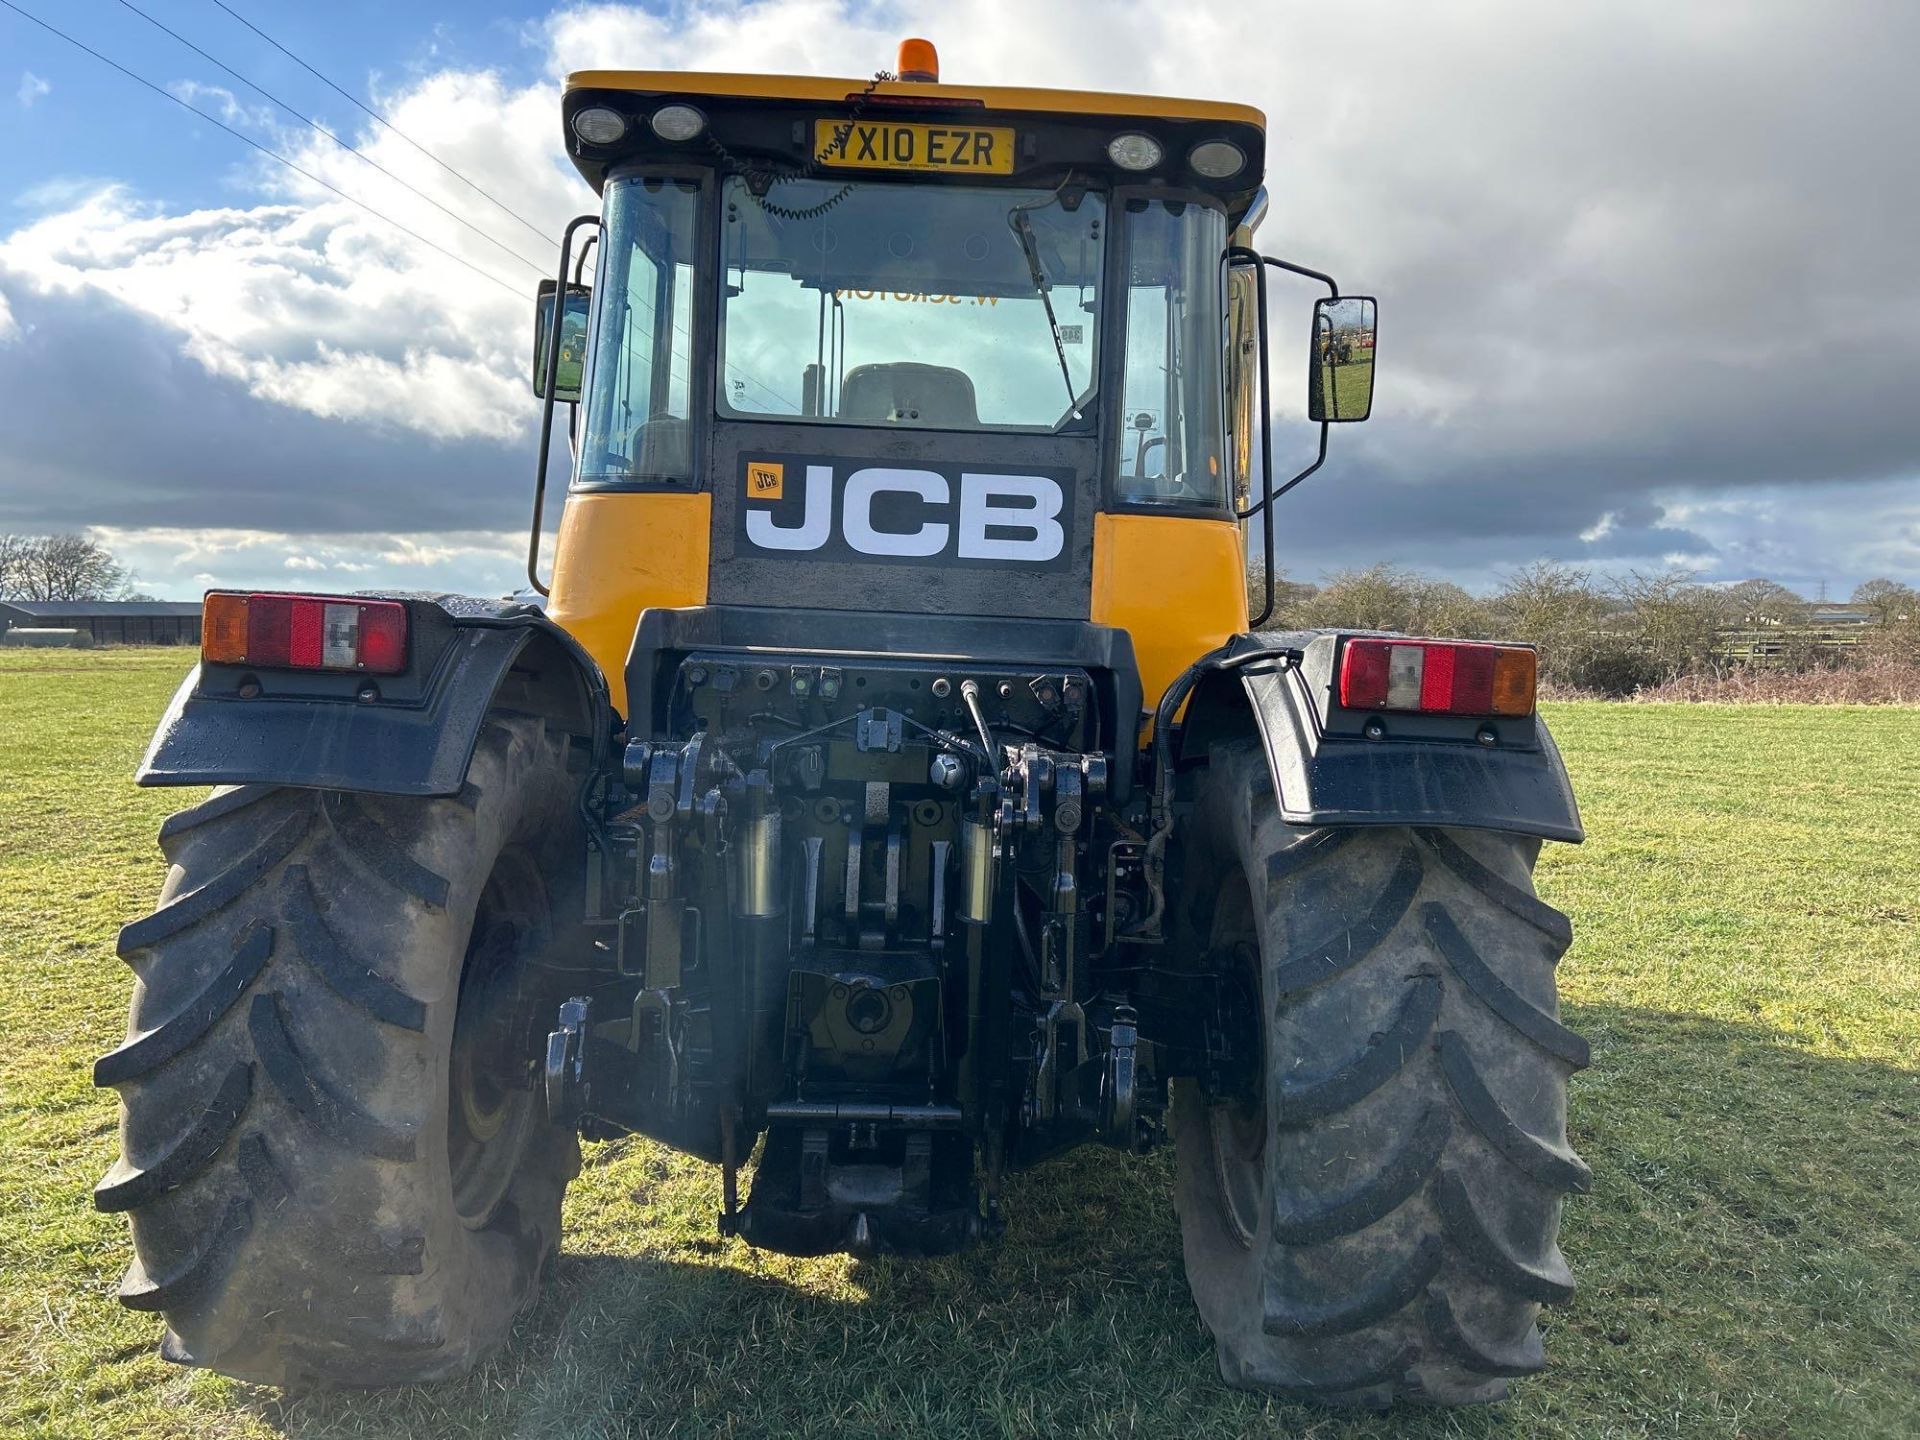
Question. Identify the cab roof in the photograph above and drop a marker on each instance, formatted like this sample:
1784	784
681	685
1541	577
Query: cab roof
765	121
821	90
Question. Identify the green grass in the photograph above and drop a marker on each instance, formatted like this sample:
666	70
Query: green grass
1347	389
1748	968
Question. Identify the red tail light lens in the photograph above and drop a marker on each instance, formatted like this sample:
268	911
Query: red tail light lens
1437	677
304	632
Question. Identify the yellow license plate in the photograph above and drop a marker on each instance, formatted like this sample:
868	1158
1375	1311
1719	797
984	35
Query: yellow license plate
901	145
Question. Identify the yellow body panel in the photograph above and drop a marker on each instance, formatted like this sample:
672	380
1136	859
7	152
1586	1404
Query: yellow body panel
620	553
993	97
1176	584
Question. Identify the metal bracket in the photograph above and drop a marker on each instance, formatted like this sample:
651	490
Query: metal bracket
567	1095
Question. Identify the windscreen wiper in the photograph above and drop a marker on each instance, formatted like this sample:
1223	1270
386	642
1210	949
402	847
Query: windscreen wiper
1023	227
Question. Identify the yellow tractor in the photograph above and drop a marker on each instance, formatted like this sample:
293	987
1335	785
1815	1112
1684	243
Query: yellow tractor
888	792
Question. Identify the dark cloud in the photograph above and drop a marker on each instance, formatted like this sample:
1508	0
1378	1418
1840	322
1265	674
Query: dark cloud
107	422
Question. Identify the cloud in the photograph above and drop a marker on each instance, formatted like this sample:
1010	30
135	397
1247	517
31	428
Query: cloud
32	88
182	561
224	102
1639	297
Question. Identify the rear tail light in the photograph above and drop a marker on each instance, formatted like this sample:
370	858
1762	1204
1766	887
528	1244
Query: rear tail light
1437	677
304	632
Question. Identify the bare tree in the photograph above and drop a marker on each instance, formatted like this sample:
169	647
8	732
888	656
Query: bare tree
68	567
1559	609
1765	602
1386	597
1443	609
1676	620
14	550
1288	595
1888	601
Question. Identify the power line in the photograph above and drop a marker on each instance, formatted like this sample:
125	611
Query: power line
355	100
452	214
166	94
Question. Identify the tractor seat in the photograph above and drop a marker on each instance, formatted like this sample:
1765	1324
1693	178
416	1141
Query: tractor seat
907	393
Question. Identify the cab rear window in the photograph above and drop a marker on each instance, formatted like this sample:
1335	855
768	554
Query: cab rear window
875	303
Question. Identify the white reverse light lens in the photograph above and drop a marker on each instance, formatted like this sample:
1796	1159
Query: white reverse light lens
678	122
1134	152
598	125
1406	668
339	636
1216	159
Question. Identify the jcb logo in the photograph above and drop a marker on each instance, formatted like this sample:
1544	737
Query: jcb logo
886	513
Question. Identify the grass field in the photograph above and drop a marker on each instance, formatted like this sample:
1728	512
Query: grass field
1346	389
1747	967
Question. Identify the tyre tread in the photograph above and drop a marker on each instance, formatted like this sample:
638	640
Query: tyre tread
1503	892
1550	1164
1336	954
125	1187
350	979
1388	1052
1498	996
1391	1290
216	894
368	843
328	1113
190	1024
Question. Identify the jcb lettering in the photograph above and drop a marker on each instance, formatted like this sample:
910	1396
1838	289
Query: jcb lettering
1030	531
892	514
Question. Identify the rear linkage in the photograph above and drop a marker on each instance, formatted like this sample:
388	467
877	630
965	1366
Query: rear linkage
882	943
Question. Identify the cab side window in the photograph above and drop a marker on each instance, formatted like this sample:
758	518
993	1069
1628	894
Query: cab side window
1172	446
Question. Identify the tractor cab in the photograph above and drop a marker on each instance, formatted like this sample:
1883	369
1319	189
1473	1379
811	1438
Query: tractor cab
904	347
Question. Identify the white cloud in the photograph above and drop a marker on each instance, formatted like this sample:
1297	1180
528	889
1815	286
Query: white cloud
178	561
225	103
32	87
9	327
313	302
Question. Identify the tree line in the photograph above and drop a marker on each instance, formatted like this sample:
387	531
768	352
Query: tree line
1610	634
62	567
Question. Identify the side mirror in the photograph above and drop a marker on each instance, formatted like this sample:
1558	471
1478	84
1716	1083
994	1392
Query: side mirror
1340	364
573	341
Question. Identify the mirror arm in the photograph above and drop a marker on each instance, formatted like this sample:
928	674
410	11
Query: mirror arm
1333	290
551	367
586	253
1264	508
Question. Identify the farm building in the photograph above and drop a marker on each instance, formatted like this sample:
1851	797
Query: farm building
109	622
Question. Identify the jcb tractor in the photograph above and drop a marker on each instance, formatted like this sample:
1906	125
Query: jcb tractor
888	791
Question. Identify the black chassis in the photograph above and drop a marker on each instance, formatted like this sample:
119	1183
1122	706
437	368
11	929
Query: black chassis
823	907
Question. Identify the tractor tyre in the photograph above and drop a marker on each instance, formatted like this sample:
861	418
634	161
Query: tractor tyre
334	1153
1376	1218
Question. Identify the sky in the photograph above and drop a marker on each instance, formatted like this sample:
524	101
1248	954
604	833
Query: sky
1643	269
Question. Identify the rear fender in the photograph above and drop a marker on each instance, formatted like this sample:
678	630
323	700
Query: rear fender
407	734
1425	770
